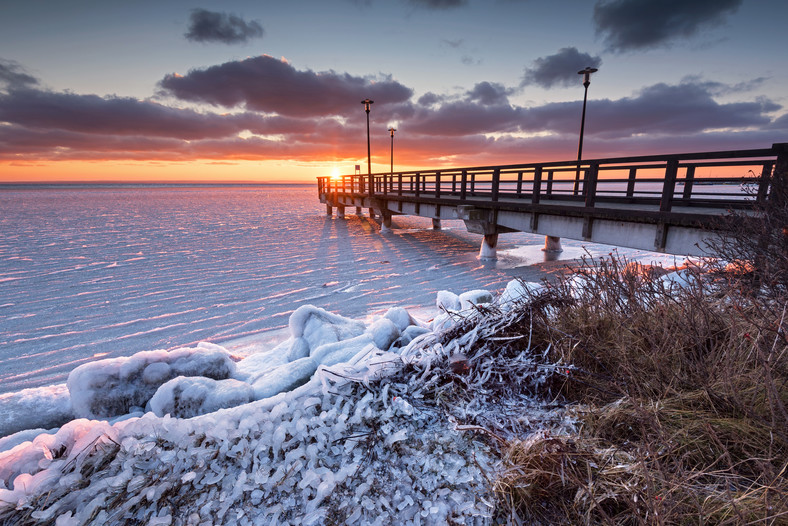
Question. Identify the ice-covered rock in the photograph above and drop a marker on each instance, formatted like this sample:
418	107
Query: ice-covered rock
443	321
285	377
112	387
27	435
384	332
37	407
254	366
401	318
447	300
318	326
517	290
474	297
338	352
25	468
294	348
410	334
188	396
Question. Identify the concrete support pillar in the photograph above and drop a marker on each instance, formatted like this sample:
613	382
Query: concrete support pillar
487	250
371	213
552	244
436	224
358	210
385	225
341	211
329	210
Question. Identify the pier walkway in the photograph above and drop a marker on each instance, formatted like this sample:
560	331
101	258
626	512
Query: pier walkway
666	203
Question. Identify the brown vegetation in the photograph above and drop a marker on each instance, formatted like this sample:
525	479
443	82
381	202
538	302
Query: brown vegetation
680	393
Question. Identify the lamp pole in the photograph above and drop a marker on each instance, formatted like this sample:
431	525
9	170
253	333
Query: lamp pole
366	103
391	131
586	81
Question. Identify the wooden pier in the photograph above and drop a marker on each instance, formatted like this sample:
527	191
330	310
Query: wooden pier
666	203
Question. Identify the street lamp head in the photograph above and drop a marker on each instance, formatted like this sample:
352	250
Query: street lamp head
392	130
366	103
587	75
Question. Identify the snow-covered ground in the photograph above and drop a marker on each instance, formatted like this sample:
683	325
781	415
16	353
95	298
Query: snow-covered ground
87	273
295	434
271	418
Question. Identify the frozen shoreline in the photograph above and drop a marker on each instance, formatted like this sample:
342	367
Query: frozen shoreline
295	450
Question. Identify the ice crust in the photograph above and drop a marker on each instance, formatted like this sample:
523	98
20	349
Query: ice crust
38	407
315	443
188	396
112	387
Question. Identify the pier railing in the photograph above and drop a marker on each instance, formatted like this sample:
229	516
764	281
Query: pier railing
722	179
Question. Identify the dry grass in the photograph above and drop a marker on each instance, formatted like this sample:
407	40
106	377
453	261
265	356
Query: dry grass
680	395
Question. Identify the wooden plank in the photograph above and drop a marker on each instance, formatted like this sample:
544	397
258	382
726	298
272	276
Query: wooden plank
688	181
669	186
537	189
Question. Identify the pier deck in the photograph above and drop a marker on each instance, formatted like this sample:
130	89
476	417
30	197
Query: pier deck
667	203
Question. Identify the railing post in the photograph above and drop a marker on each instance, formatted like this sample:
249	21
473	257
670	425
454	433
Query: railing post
496	183
453	183
778	192
399	188
586	174
589	186
464	185
549	191
418	184
473	183
519	183
763	182
537	185
688	181
669	186
437	184
386	184
631	182
371	185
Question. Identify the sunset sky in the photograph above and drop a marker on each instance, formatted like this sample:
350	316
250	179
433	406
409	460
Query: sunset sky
266	90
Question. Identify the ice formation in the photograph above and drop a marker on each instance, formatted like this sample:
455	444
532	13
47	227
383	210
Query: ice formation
474	297
115	386
38	407
341	434
188	396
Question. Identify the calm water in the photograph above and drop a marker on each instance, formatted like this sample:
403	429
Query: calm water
89	272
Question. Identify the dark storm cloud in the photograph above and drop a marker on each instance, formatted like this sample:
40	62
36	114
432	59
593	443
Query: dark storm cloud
12	75
430	98
466	117
210	26
438	4
115	116
559	69
638	24
266	84
307	116
489	94
659	109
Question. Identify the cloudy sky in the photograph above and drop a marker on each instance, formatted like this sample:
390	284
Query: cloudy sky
253	90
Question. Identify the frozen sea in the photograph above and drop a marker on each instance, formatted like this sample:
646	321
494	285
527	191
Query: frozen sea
89	272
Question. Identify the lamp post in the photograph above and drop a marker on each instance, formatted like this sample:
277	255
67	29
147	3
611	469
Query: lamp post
586	81
366	103
391	131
